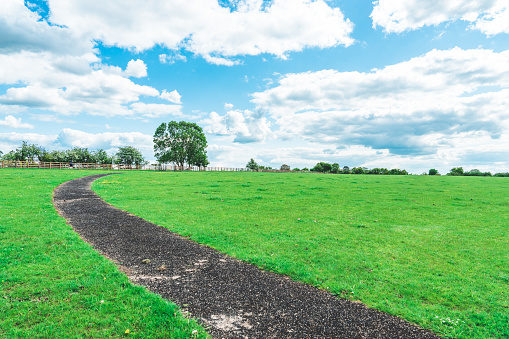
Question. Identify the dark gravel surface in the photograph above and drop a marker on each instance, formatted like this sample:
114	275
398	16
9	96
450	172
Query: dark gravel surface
230	298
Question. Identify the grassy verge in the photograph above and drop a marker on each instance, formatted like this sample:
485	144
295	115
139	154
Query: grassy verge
433	250
53	285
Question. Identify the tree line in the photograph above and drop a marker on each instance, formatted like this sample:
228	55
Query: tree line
126	155
325	167
458	171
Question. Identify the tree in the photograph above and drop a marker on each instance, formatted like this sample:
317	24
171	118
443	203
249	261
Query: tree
397	171
252	165
335	168
456	171
284	167
324	167
433	172
101	157
128	155
357	170
79	155
180	143
25	153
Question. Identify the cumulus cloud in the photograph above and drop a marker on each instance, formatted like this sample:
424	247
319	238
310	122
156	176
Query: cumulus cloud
172	96
171	58
136	68
13	122
53	88
14	139
45	76
155	110
75	138
396	16
23	29
417	107
245	126
206	28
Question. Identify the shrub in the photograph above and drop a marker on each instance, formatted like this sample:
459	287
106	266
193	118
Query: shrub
456	171
433	171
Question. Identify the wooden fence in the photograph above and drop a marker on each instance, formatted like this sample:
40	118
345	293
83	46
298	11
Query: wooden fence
159	167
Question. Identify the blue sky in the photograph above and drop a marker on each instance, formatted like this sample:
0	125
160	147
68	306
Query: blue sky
399	84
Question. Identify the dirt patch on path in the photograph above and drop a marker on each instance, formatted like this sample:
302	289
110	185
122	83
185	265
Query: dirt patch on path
232	299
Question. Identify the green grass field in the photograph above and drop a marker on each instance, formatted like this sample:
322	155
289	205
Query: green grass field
53	285
432	250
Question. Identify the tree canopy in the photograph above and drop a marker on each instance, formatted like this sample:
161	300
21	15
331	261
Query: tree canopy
128	155
252	165
182	143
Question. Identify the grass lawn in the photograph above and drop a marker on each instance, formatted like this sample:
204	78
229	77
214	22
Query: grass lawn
53	285
432	250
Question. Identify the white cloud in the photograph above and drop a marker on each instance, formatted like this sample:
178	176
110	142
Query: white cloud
172	96
53	79
22	29
52	88
245	126
155	110
205	28
221	61
228	106
14	139
417	107
396	16
74	138
13	122
171	58
136	68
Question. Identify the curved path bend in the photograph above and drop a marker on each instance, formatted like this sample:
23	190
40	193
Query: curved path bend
231	298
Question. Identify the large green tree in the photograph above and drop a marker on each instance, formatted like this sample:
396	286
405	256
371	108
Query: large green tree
128	155
182	143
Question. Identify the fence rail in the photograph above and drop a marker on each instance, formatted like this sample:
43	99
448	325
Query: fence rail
161	167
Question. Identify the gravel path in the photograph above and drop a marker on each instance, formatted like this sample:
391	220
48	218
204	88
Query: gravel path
232	299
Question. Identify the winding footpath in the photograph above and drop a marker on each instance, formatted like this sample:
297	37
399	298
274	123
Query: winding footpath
232	299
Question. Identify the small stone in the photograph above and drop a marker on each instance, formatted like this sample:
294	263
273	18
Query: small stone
146	261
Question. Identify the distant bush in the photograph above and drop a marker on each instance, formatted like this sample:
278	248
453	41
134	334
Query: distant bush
335	168
433	171
502	174
252	165
397	171
380	171
285	167
477	173
296	169
324	167
456	171
357	170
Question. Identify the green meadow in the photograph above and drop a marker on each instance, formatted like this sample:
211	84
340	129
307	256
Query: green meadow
53	285
433	250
